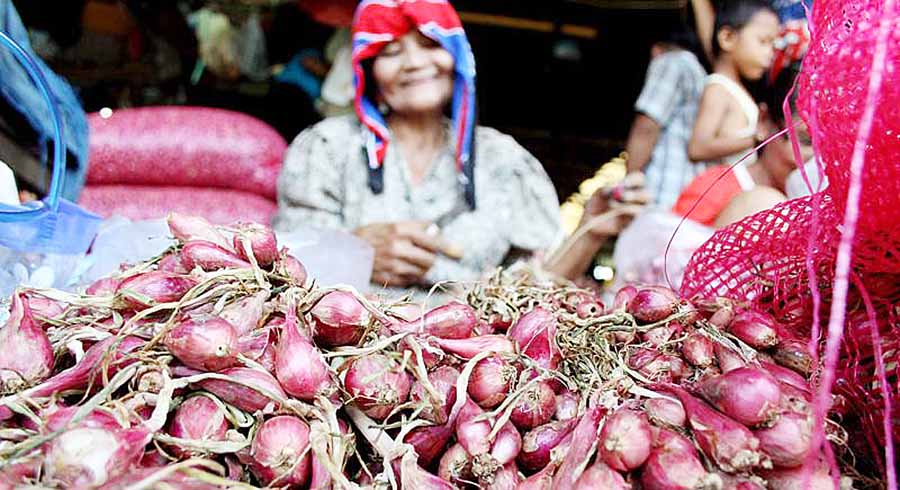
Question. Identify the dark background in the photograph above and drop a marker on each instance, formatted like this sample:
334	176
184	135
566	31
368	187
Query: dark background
573	114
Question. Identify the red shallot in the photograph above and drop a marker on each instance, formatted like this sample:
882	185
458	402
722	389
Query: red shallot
452	321
471	347
535	407
754	328
187	228
698	350
208	344
665	412
198	418
241	392
377	385
625	440
652	304
673	464
26	356
727	442
279	454
535	336
443	380
429	442
209	257
749	395
149	288
600	476
538	443
299	365
244	315
455	465
339	319
261	241
788	441
491	381
583	438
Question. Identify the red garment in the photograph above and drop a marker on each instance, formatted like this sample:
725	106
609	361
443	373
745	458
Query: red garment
723	186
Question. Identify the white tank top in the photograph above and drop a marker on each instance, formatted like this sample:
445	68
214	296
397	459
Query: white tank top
751	112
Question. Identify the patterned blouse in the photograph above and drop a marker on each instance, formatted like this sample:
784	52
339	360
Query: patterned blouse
324	183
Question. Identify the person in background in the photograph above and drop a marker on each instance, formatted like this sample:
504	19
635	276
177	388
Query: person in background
438	199
729	200
666	110
728	122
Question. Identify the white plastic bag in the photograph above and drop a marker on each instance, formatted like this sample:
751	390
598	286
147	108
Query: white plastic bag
640	254
331	256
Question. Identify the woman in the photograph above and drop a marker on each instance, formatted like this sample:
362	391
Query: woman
434	204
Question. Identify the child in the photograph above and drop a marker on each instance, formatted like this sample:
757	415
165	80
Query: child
728	122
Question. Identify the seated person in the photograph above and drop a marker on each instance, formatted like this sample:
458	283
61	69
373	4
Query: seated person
745	190
439	199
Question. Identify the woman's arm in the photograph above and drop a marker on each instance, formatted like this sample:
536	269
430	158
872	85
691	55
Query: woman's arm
706	143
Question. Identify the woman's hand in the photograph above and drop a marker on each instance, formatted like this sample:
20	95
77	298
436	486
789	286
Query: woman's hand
404	251
610	209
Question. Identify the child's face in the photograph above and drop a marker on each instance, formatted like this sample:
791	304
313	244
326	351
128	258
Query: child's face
753	45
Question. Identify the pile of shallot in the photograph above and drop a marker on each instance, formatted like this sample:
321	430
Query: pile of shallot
219	364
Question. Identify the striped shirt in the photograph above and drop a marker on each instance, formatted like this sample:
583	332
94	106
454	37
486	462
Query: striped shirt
671	96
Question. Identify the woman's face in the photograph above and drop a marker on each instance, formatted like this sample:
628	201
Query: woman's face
414	74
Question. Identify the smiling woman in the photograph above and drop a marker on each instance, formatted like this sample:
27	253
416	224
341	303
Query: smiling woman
402	175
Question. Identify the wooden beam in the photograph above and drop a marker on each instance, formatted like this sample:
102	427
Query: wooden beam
524	24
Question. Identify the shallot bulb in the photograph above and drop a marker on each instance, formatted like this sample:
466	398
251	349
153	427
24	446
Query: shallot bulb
455	465
673	464
377	385
339	319
413	476
535	407
89	368
625	440
171	263
566	405
290	267
727	442
106	286
471	432
429	442
208	344
471	347
794	479
652	304
185	228
542	480
198	418
728	359
788	441
209	257
26	355
244	315
600	476
247	390
623	298
794	354
279	454
150	288
535	336
299	365
507	445
540	441
261	241
754	328
491	381
661	335
665	412
443	379
698	350
452	321
584	436
749	395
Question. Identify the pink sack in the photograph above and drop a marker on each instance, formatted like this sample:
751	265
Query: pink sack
189	146
219	206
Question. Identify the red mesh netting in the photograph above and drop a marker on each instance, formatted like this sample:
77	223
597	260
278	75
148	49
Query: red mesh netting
766	258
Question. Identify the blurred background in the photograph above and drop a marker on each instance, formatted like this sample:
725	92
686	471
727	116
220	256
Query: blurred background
561	76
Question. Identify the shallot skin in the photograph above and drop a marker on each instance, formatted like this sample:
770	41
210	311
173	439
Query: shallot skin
625	440
26	356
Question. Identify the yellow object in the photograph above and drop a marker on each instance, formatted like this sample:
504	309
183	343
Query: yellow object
608	175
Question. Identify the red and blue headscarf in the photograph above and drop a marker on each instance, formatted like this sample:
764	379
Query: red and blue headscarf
377	23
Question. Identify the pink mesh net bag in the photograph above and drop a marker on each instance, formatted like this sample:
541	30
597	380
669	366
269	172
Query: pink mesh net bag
191	146
839	248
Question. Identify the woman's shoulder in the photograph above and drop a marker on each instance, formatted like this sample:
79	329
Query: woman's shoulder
336	130
494	147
